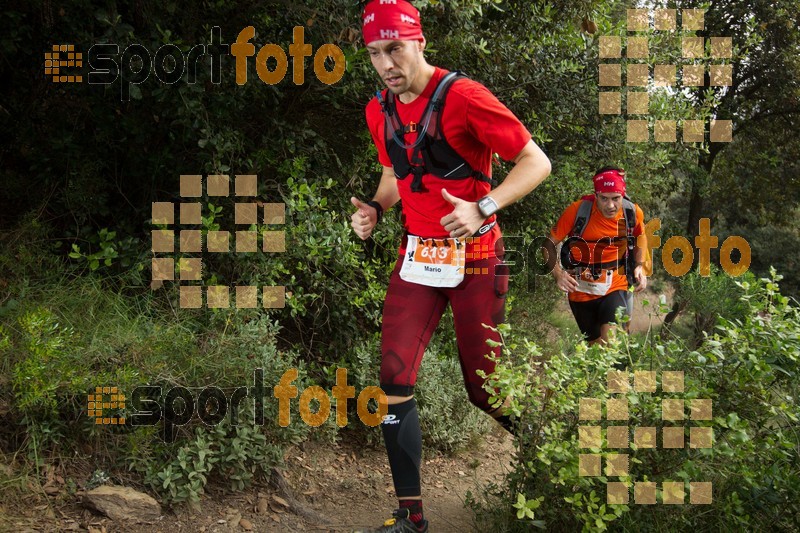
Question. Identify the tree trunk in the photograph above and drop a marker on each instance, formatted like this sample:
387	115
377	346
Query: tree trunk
695	210
677	308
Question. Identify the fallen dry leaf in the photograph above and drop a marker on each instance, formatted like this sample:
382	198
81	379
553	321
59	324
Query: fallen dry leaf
280	500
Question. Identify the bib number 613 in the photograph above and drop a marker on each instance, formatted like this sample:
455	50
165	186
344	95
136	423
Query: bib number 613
430	252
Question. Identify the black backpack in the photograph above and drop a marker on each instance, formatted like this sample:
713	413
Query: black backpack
431	153
575	238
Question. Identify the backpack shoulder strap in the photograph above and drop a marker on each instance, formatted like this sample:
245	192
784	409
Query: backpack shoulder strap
431	115
582	216
629	212
393	126
431	119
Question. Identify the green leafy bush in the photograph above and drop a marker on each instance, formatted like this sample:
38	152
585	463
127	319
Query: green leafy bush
710	297
747	367
60	345
448	420
227	453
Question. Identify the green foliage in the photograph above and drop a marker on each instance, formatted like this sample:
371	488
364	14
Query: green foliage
28	254
772	245
748	367
747	182
334	290
448	420
232	454
525	509
60	346
49	356
310	149
110	248
709	297
544	396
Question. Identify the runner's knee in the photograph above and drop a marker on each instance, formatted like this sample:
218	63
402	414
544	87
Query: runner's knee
394	400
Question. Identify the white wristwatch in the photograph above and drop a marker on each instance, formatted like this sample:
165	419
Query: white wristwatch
487	206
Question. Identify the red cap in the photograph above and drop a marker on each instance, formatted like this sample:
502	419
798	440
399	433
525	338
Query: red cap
395	20
611	180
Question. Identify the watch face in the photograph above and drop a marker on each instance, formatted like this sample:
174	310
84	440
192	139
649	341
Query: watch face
487	206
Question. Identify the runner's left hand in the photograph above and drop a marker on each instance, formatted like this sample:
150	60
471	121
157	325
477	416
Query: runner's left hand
641	279
465	218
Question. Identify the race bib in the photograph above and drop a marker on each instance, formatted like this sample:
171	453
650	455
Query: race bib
434	262
599	286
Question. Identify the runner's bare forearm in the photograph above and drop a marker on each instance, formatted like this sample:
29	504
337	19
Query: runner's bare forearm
531	167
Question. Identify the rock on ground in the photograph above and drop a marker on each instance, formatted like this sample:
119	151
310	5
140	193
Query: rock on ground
123	504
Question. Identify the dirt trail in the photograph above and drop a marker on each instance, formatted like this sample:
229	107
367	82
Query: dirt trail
353	488
331	488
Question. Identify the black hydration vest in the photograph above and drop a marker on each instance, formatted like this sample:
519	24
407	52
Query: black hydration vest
581	220
431	154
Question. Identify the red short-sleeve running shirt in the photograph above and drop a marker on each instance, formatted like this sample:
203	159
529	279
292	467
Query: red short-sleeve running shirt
476	125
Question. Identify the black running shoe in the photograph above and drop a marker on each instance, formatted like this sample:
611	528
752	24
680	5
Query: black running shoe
400	523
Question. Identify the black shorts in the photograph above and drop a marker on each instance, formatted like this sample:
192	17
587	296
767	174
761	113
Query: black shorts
594	313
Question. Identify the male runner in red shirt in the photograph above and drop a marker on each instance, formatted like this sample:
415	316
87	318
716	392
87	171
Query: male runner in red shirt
444	184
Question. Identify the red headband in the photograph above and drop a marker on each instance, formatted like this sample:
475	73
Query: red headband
395	20
610	181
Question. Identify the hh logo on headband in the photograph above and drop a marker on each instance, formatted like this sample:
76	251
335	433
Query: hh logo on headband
406	18
369	18
390	34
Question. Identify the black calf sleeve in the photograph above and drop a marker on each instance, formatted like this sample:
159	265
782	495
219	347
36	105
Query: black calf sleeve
403	439
504	420
509	425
